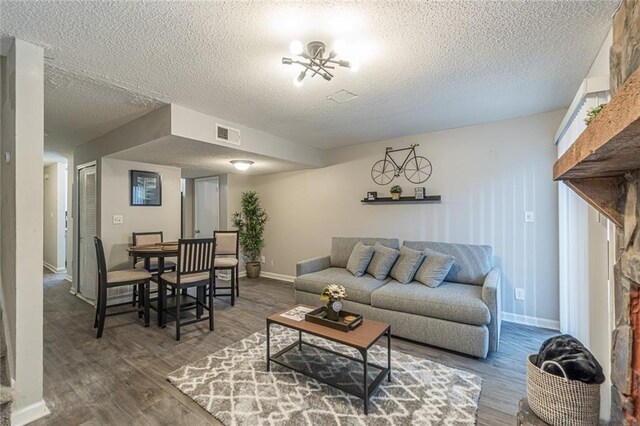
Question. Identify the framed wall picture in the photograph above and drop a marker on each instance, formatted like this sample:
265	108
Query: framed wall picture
419	193
372	195
146	188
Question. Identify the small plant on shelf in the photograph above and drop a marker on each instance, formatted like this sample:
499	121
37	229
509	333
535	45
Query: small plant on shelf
395	191
593	112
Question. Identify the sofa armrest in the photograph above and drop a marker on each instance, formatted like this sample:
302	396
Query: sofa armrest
313	265
491	297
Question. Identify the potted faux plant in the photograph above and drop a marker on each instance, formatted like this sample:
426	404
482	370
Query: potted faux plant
250	223
395	192
593	112
333	294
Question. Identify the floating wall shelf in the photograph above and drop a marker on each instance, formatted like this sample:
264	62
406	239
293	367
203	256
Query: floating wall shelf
403	200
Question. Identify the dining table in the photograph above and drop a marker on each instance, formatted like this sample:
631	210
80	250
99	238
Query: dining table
159	251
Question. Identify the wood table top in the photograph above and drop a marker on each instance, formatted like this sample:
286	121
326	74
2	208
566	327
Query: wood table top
165	249
362	337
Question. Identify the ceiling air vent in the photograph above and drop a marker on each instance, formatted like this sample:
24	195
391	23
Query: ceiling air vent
227	134
342	96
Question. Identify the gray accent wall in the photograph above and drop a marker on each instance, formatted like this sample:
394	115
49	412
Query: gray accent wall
488	176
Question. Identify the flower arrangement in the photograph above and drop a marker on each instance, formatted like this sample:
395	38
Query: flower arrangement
333	294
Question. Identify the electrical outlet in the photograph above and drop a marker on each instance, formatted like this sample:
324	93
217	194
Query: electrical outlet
528	217
519	293
118	219
263	259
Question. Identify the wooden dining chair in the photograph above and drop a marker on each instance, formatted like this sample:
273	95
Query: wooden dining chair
194	269
147	238
227	260
139	278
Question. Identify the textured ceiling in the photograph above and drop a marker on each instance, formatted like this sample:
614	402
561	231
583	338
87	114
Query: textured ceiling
434	65
197	159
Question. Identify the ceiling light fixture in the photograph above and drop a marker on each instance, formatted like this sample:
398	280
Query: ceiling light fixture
316	62
242	164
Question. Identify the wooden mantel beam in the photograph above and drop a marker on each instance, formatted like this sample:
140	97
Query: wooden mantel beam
610	145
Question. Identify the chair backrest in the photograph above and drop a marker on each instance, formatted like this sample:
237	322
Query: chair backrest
226	242
195	256
144	238
102	263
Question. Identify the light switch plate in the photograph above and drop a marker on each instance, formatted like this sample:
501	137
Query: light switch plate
118	219
528	217
519	293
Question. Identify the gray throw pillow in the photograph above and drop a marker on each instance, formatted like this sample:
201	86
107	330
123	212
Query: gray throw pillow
435	268
407	264
382	261
359	259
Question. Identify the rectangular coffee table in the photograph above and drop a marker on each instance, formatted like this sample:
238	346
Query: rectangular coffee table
361	339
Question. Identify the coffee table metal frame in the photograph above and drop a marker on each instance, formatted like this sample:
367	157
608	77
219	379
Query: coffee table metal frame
368	388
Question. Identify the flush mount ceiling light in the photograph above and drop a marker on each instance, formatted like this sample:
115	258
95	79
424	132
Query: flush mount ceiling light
315	61
241	164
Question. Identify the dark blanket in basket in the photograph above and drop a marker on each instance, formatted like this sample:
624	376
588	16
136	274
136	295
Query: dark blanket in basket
576	360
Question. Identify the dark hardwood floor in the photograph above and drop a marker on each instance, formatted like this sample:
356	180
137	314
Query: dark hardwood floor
120	379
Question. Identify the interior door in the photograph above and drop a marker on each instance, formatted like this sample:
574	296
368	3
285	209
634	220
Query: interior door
87	227
207	207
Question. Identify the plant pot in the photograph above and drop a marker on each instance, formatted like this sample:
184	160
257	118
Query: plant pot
253	269
395	196
332	314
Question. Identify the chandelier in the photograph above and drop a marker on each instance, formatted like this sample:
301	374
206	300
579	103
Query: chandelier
315	62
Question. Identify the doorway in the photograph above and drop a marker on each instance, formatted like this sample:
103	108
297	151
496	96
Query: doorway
207	207
87	229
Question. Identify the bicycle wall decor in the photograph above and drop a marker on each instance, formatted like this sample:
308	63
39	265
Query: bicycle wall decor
416	168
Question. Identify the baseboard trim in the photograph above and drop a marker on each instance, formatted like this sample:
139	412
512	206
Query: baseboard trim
53	268
68	278
534	321
274	276
30	413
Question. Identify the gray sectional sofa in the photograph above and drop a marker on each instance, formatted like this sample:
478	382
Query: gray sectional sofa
462	314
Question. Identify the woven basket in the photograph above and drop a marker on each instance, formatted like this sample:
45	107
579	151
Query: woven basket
560	401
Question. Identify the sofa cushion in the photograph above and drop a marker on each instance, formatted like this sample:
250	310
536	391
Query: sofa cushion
382	261
434	268
341	247
472	264
451	301
359	259
358	289
407	264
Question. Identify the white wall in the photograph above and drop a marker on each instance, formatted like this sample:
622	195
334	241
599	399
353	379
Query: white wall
488	176
115	200
55	200
21	233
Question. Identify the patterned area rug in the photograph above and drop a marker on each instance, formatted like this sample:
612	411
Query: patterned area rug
234	386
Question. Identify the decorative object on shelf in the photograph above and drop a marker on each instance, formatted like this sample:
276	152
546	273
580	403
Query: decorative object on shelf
250	223
406	200
419	193
333	294
372	195
593	112
395	191
241	165
315	61
416	168
146	188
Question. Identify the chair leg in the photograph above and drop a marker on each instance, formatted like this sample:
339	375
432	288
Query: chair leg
232	287
147	297
134	296
210	306
141	291
237	281
214	283
178	303
162	303
95	321
199	301
103	311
